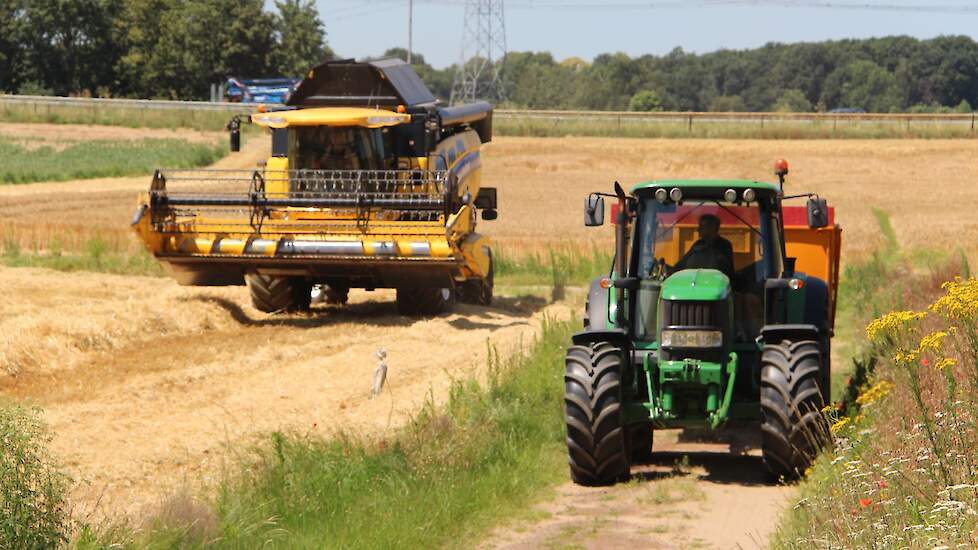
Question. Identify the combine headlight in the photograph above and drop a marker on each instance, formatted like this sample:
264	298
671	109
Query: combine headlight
692	338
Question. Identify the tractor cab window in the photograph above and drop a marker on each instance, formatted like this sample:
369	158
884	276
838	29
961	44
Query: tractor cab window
737	239
339	148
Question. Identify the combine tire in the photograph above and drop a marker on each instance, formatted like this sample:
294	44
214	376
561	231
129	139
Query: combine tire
639	443
424	301
793	429
592	395
478	291
274	294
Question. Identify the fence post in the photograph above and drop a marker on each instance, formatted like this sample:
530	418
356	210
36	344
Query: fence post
690	123
972	122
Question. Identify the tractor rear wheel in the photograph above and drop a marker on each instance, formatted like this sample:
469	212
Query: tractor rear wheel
592	396
793	429
424	301
639	443
276	294
478	291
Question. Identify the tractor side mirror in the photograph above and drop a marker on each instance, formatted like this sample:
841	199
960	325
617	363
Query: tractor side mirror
485	198
489	214
594	211
818	213
235	134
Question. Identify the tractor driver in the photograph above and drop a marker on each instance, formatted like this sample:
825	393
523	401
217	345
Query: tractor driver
710	251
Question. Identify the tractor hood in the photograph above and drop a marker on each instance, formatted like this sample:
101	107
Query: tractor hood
700	285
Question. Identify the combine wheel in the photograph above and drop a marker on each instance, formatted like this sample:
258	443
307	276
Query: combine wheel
424	301
337	295
793	429
639	443
592	396
478	291
275	294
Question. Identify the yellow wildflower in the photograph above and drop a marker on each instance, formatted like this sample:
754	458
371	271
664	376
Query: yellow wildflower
892	323
842	423
960	299
879	390
906	357
945	363
931	342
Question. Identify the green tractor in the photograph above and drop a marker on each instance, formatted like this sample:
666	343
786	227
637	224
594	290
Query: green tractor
706	321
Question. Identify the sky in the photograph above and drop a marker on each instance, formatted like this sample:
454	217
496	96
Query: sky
586	28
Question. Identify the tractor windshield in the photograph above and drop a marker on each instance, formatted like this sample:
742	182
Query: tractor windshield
737	239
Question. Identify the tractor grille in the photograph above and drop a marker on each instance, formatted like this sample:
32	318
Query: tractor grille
689	314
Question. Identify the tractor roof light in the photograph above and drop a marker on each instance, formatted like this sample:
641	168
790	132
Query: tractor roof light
749	195
796	284
730	195
661	195
676	194
781	167
606	283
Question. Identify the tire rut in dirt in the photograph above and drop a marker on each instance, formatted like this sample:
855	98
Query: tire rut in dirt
592	397
274	294
424	301
793	430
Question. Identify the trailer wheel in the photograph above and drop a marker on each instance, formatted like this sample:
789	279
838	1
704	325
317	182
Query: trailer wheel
592	396
275	294
479	291
424	301
639	443
793	429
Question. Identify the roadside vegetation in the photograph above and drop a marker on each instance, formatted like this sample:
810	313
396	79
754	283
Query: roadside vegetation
33	160
903	474
33	492
95	255
443	480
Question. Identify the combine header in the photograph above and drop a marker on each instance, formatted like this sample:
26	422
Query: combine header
371	183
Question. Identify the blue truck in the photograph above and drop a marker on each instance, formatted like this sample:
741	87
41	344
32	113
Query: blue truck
260	90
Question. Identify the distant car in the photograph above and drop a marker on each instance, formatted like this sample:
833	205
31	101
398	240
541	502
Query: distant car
848	111
260	90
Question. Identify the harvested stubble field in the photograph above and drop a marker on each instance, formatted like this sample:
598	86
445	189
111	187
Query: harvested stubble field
145	384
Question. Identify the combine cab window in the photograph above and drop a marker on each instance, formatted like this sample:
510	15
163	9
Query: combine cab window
339	148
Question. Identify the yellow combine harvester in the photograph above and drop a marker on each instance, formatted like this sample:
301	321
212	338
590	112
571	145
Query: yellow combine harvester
371	183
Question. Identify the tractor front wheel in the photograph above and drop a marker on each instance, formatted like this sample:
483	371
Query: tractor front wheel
275	294
592	396
793	429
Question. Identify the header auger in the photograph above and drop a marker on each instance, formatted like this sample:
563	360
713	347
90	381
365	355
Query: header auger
371	183
719	311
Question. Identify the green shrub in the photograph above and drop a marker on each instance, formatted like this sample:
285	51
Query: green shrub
33	500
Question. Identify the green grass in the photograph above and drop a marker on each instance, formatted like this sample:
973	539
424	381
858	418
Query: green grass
98	159
443	480
774	129
97	256
556	268
119	116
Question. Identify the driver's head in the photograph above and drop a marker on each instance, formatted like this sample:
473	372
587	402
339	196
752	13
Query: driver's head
709	227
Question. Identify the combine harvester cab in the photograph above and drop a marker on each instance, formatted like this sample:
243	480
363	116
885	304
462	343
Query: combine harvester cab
371	183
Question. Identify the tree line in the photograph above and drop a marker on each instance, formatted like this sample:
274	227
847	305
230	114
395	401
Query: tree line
152	48
177	48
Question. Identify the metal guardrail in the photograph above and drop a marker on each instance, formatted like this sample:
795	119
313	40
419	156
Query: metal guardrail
617	117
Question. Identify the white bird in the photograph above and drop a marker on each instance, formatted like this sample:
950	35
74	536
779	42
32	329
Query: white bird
380	373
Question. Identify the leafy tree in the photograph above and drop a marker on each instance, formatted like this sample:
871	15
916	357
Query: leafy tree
728	104
792	101
438	81
645	101
862	84
301	38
